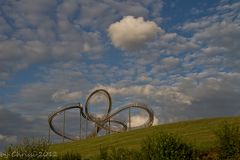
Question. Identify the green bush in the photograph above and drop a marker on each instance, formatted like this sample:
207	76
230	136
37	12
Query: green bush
29	150
229	142
103	153
209	154
165	146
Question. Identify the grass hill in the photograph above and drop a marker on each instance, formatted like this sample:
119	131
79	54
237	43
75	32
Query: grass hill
199	133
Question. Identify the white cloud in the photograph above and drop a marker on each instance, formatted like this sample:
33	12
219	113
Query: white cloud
229	6
4	27
24	53
192	26
103	13
168	36
222	34
30	12
37	92
171	94
217	35
138	120
142	90
131	8
67	8
213	95
8	139
214	50
172	43
132	33
30	41
170	62
66	95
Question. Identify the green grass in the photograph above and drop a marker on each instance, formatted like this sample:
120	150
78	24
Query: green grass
200	133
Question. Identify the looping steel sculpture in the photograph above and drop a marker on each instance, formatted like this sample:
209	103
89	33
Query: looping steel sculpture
104	122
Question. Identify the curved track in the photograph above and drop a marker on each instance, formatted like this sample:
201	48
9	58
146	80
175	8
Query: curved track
104	122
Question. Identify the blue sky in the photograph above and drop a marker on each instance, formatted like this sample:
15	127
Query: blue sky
179	57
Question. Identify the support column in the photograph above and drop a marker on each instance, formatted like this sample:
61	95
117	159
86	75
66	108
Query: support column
80	124
109	125
129	118
49	134
86	128
63	126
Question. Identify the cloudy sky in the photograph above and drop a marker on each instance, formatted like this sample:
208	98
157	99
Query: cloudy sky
182	58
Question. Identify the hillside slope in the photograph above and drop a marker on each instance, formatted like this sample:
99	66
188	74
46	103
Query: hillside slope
200	133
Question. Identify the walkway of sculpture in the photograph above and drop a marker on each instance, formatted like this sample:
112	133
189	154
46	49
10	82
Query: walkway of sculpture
103	122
